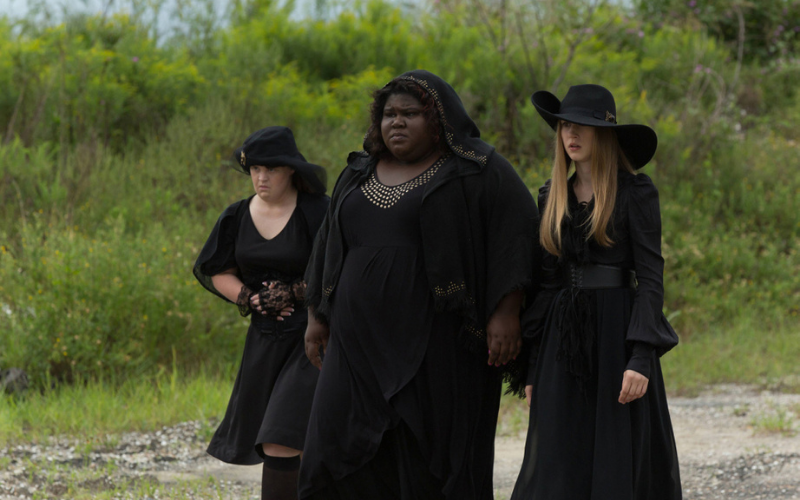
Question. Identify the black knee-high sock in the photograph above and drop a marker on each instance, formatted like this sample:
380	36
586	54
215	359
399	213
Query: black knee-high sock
279	478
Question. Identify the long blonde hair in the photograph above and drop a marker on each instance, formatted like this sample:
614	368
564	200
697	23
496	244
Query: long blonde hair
607	159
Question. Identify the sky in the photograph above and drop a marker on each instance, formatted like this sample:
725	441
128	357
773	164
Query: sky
304	8
19	8
16	8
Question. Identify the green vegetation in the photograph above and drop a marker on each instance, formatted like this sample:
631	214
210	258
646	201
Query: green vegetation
776	420
93	412
114	147
52	480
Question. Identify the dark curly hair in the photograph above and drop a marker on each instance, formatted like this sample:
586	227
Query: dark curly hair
373	141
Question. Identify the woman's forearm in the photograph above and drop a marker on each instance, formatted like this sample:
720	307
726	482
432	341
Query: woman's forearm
228	284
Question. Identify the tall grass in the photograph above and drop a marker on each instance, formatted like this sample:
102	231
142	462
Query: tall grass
735	353
98	408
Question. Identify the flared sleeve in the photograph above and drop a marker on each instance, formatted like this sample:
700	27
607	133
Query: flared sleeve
316	265
325	254
648	324
512	226
534	317
219	252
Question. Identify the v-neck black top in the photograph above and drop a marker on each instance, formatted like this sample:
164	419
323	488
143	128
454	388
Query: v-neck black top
283	257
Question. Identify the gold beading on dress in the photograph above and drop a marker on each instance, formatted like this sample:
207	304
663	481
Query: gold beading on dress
449	289
386	196
478	332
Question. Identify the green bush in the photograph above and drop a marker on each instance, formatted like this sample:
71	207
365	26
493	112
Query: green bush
77	305
771	29
91	80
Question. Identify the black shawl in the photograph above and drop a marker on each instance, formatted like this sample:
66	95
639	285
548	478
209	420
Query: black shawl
478	219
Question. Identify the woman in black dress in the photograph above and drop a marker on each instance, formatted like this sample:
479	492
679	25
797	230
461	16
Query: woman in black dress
256	257
599	423
419	270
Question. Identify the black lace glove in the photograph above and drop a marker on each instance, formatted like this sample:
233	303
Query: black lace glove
243	301
274	297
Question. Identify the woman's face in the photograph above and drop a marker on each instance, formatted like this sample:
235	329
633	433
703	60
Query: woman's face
271	183
404	128
578	141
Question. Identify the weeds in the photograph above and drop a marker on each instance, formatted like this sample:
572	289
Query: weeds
731	354
513	417
741	411
96	409
48	480
775	420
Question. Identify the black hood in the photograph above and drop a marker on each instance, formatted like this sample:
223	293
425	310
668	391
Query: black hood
463	136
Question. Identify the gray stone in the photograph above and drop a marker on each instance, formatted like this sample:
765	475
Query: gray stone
13	381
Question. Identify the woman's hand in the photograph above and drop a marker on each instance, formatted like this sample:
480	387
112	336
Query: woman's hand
634	386
316	339
503	330
274	299
529	394
255	304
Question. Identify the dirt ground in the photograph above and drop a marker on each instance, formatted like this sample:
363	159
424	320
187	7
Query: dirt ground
733	442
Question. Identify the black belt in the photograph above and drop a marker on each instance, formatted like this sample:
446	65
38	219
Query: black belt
597	276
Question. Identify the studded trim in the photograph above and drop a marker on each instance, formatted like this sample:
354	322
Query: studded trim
457	148
481	334
450	289
386	196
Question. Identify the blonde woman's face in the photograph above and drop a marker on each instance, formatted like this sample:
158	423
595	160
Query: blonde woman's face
578	141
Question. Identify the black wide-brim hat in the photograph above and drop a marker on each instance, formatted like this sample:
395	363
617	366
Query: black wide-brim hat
275	147
594	105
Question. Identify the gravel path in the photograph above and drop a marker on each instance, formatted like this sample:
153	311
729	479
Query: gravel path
733	442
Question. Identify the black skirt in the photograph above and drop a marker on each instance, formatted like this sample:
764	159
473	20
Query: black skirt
582	443
272	395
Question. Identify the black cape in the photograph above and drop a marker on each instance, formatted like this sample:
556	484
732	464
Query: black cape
401	409
479	224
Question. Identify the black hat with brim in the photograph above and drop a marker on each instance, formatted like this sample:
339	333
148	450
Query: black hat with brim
593	105
275	147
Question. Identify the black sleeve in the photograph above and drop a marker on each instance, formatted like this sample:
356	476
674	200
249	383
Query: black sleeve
534	316
512	221
641	358
316	263
219	252
648	324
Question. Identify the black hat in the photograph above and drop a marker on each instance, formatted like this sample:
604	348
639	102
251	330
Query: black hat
275	147
593	105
